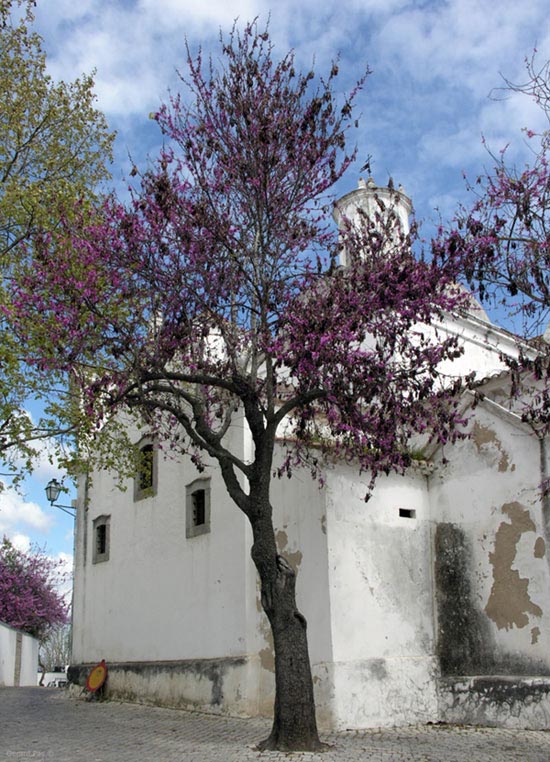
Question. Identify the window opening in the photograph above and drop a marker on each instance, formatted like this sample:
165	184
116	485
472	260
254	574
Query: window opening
145	477
101	539
197	508
407	513
145	481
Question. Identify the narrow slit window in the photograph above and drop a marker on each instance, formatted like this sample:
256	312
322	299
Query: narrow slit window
145	481
101	539
146	467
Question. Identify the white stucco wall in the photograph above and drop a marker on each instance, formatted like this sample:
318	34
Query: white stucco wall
7	654
481	341
161	596
380	586
8	657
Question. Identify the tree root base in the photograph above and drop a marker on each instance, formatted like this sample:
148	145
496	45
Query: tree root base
279	744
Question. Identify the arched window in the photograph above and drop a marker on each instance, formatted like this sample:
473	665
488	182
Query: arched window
101	539
145	481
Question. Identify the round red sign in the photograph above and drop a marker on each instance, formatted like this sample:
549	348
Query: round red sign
96	677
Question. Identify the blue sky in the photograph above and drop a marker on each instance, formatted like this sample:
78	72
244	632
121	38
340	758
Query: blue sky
423	110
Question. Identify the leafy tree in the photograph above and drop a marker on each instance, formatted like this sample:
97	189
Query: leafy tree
502	245
29	591
216	295
54	150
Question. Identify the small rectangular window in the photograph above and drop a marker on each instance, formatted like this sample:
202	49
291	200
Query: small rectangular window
407	513
101	539
197	507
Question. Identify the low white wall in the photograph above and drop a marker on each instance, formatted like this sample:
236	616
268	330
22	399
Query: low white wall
18	665
7	654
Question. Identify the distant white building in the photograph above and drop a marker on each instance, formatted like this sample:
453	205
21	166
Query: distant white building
428	603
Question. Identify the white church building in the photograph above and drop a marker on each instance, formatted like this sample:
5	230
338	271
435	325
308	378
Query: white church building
428	603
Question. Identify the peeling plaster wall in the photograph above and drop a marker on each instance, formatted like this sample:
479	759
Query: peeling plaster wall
491	570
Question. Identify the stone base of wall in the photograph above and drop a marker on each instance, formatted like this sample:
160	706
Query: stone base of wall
370	693
220	686
495	701
359	694
355	695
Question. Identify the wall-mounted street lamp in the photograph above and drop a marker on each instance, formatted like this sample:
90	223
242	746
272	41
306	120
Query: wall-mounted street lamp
53	489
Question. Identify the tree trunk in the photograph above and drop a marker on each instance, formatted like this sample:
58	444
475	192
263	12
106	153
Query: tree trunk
294	723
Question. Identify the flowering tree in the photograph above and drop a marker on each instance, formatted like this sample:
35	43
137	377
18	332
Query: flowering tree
216	294
502	245
54	149
29	591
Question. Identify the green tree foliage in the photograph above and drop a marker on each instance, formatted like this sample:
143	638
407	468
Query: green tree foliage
55	147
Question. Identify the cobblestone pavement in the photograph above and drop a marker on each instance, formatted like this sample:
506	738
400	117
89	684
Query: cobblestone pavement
46	724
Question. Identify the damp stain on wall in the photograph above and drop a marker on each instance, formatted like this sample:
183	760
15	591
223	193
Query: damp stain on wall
293	557
463	639
540	548
489	445
509	603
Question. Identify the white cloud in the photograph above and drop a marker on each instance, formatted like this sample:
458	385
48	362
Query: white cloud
134	48
424	109
503	122
452	149
219	13
21	542
464	42
16	513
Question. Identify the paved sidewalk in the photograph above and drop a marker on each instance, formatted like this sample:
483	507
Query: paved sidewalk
45	724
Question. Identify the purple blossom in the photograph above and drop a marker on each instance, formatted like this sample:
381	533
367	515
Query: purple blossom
29	591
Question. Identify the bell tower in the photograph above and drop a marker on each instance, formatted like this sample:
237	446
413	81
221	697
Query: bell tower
386	209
